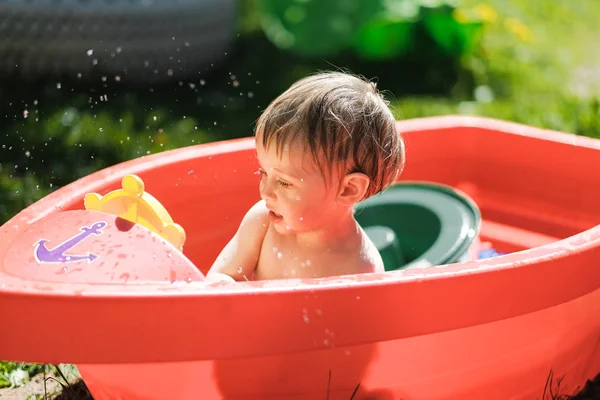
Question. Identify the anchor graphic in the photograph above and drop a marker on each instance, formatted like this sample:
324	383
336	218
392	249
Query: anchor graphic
57	255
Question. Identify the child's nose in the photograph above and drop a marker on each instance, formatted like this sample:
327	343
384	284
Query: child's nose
266	190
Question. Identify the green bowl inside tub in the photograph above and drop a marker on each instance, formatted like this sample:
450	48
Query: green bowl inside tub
420	223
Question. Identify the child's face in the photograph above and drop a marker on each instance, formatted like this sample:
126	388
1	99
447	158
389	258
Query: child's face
295	191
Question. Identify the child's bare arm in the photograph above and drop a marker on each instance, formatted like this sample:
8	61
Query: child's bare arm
240	256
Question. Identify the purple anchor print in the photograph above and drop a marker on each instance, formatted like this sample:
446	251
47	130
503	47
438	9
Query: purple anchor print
57	254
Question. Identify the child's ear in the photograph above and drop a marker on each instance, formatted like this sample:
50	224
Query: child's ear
353	188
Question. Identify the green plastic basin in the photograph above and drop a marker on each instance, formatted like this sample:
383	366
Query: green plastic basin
420	223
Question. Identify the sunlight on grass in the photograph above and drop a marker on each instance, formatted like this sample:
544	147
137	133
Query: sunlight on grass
526	68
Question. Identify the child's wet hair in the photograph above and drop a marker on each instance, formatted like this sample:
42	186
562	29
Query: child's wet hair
339	118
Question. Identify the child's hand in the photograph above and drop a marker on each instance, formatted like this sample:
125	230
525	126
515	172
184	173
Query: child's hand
219	277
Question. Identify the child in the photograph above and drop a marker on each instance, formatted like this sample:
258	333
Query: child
324	145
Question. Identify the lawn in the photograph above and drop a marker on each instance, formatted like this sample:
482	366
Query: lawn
538	64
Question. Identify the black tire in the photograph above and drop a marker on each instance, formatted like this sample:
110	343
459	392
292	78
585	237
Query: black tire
129	40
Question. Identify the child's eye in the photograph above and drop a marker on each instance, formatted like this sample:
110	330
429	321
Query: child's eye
284	184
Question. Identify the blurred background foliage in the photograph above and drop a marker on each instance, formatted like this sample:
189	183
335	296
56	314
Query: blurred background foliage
535	63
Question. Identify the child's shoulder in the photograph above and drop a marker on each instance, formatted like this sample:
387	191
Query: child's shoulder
239	257
258	210
370	256
257	217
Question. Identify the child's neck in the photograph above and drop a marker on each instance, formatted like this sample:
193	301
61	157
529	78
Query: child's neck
343	229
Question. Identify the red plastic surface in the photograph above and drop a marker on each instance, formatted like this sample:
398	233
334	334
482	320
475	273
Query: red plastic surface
490	329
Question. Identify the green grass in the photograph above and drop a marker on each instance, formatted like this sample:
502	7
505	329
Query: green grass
533	75
10	370
57	382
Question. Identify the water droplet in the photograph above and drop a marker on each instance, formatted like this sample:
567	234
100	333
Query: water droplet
239	270
279	255
58	85
90	52
190	172
274	249
306	319
169	254
297	198
100	129
301	219
308	262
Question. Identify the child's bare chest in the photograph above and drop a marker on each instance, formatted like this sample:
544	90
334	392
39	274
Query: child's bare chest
280	259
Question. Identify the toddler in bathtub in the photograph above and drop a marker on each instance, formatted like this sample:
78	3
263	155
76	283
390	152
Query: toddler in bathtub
325	144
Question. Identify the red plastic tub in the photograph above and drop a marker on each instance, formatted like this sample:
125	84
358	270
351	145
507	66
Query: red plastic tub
144	325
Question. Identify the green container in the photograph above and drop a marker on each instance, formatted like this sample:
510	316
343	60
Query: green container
420	223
